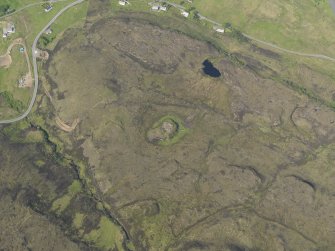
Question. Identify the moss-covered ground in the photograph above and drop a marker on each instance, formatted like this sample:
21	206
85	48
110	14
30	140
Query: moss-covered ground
251	170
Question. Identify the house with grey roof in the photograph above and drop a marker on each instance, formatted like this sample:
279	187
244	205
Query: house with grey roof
8	28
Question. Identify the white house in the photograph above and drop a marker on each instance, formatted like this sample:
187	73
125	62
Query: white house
163	8
123	2
185	13
219	29
48	8
155	7
48	31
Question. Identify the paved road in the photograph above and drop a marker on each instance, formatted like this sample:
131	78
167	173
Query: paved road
32	101
332	4
173	4
275	46
30	5
319	56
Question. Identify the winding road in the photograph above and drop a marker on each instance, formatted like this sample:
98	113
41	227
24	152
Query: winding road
32	101
319	56
28	6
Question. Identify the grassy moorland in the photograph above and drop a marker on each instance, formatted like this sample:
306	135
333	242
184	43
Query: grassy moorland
253	172
249	132
297	25
316	40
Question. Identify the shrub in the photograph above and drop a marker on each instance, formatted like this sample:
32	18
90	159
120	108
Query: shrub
5	9
9	99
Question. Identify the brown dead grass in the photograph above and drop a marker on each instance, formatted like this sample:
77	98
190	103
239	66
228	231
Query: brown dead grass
5	61
28	80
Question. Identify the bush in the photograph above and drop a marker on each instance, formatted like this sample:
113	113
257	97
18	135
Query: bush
9	99
196	15
46	5
318	2
45	40
228	26
239	36
5	9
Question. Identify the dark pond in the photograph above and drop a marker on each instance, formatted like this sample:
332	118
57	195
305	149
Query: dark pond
210	70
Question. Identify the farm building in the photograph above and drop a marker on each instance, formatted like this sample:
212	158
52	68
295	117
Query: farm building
8	29
48	31
218	29
185	13
47	7
158	7
123	2
155	7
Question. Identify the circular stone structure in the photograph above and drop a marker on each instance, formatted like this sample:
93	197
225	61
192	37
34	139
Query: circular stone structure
166	131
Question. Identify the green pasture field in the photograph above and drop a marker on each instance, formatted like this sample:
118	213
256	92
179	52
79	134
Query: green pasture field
9	82
305	26
28	24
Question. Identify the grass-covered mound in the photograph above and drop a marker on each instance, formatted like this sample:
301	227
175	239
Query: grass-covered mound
167	131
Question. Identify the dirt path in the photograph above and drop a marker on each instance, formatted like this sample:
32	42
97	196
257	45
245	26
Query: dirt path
65	127
6	59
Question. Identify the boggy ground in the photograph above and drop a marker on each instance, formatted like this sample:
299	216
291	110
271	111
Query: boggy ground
253	171
46	202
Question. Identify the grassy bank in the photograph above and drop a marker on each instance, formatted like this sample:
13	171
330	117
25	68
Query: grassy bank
297	25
